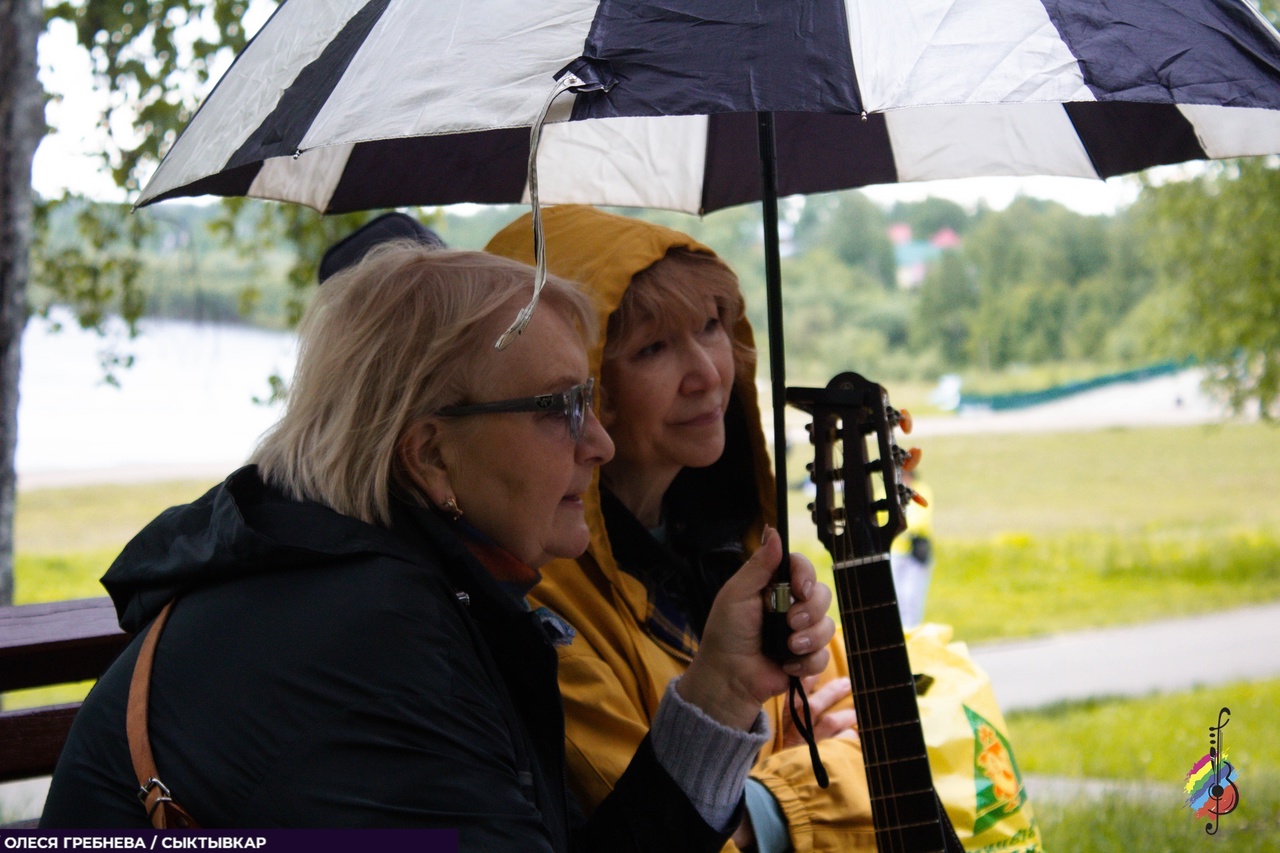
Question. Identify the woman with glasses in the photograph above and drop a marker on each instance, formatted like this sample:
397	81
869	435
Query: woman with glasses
348	642
686	495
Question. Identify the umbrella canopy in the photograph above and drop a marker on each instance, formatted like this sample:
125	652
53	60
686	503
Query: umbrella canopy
695	105
361	104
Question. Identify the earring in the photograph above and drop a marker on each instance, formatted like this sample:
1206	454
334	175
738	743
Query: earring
452	509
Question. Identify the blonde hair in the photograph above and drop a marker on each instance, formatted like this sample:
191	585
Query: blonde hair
672	291
384	343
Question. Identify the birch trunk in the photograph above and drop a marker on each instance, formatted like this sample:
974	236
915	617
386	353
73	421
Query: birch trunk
21	129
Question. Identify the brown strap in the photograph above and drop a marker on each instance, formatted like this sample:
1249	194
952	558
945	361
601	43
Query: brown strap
163	812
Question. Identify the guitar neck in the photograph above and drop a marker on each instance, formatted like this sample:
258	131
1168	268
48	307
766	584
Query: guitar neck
904	807
857	510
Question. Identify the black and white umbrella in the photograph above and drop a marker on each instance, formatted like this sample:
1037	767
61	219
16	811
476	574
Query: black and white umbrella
359	104
380	103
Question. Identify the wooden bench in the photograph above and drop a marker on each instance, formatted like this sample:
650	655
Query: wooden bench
42	645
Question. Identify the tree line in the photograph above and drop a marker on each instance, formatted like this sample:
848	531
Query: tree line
1032	284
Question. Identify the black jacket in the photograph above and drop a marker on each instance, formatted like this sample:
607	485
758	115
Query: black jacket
320	671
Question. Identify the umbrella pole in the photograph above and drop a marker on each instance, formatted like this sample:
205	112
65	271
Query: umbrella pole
773	302
778	597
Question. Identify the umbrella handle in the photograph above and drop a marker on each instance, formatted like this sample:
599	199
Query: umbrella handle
565	83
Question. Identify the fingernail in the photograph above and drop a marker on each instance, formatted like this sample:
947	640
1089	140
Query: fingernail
807	589
801	620
800	645
793	668
766	535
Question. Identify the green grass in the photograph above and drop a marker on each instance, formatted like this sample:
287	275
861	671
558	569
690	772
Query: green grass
89	518
1154	739
1117	825
1126	481
1023	586
1151	738
1019	585
59	577
1111	527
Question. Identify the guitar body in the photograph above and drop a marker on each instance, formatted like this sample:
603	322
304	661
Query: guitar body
858	510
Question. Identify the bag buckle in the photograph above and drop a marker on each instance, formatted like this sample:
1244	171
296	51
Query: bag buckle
151	785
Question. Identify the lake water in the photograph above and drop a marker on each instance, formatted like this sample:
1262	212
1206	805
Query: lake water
186	409
187	403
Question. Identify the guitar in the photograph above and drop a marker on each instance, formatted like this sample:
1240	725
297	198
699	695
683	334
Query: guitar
859	509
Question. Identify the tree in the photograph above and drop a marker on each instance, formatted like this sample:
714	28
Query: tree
1044	279
1213	243
853	227
948	298
929	216
135	50
21	127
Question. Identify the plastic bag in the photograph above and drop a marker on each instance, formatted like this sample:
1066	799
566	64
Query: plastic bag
974	768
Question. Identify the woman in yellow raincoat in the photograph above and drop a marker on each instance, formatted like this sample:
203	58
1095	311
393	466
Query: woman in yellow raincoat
686	496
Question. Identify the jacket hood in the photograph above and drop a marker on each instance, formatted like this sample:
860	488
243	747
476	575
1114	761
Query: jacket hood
240	527
602	252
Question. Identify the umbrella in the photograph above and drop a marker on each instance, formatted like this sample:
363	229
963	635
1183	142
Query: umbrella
696	105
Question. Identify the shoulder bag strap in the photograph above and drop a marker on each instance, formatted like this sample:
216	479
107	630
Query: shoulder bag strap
163	812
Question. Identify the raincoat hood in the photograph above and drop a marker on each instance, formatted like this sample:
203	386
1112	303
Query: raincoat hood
603	252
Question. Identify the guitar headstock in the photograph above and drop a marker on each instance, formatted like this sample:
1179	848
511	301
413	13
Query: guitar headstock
860	503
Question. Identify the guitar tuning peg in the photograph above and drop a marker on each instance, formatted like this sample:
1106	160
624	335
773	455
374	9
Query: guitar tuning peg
904	419
809	467
809	507
910	494
912	459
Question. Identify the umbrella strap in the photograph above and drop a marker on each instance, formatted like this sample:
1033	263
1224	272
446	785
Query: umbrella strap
568	81
805	728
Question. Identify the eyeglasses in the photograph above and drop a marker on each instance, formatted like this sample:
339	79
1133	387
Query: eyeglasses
572	404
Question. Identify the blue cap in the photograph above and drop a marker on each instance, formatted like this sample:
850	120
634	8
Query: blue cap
389	226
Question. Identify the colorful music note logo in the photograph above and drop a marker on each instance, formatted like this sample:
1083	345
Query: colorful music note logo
1211	782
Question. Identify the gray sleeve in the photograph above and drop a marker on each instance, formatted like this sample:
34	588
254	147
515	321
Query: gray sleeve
709	761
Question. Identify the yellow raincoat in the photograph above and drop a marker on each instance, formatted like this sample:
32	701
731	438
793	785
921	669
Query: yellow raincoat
613	674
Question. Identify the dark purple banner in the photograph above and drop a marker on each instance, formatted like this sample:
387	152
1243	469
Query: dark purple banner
268	840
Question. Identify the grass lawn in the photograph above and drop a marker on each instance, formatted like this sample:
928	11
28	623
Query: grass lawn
1128	826
92	518
1126	481
1156	739
1038	533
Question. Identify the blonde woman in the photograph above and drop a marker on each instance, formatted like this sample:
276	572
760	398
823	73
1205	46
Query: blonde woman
350	644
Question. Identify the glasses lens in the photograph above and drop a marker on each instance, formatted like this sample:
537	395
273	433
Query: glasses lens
579	401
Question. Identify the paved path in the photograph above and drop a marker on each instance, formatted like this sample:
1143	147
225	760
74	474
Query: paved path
1216	648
